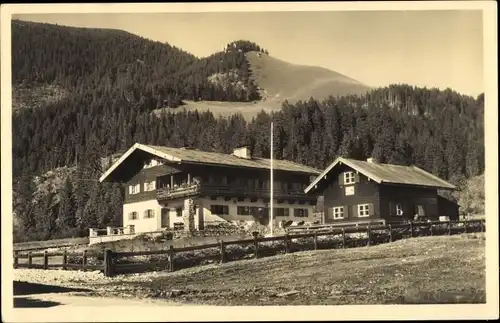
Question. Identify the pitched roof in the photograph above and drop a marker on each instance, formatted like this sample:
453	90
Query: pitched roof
190	156
387	173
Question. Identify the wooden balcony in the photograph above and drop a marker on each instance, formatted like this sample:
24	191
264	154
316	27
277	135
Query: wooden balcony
230	191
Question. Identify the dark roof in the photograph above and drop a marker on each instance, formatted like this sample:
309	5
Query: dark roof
388	173
190	156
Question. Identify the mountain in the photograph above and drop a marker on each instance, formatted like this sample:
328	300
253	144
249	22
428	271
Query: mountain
50	61
118	63
281	81
82	95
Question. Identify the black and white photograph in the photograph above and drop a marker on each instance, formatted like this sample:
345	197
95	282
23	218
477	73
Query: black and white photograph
242	157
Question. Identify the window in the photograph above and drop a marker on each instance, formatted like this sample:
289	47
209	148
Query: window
243	210
349	190
219	209
349	178
280	211
152	163
399	210
149	186
148	214
338	212
134	189
363	210
301	213
133	216
178	212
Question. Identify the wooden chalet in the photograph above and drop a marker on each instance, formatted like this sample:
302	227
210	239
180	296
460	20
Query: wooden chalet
366	191
178	187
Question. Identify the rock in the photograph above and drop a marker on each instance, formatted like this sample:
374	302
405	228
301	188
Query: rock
177	292
289	293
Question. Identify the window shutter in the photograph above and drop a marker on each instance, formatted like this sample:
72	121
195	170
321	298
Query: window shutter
130	189
355	212
371	211
392	209
341	179
356	178
346	211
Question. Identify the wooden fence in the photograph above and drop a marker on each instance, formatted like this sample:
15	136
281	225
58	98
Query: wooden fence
113	263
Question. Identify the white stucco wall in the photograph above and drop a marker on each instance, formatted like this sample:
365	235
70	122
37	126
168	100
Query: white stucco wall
154	224
141	224
233	213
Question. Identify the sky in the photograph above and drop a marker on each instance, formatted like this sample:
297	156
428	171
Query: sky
422	48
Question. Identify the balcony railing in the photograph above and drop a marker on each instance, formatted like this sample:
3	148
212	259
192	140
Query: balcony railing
194	189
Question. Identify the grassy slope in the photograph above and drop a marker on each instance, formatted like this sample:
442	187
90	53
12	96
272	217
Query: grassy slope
280	80
430	269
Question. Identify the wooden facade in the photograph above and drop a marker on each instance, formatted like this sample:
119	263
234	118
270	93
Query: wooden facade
163	191
351	196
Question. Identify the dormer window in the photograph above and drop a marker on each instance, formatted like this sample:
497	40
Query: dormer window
349	178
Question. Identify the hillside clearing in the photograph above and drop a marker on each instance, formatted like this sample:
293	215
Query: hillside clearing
407	271
225	109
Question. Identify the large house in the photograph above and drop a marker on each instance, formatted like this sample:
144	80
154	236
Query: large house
178	187
366	191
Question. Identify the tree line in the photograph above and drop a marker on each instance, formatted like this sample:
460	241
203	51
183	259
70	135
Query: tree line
133	67
445	137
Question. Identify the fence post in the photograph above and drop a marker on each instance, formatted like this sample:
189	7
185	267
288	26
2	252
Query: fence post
16	259
45	260
65	260
108	263
369	231
430	228
343	238
390	233
449	227
222	252
256	245
30	259
411	229
315	241
84	259
483	225
171	253
465	226
287	246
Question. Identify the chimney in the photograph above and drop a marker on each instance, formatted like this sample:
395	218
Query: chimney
242	152
371	160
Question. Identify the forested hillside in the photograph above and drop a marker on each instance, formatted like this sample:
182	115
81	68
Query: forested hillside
110	106
124	66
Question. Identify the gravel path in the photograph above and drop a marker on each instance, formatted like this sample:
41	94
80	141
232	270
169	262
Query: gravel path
94	283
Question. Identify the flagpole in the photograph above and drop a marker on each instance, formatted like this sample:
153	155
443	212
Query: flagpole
272	182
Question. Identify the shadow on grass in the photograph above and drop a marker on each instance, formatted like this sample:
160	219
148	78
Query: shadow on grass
24	288
32	302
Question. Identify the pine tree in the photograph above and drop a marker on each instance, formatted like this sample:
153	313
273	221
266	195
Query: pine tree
116	205
67	210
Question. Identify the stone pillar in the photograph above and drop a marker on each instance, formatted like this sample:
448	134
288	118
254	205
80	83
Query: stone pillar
189	215
200	217
109	231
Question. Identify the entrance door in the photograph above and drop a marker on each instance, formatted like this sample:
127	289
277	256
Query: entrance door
164	218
